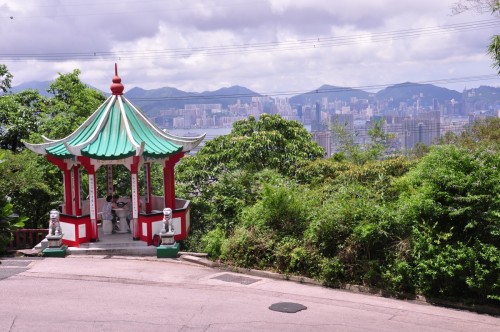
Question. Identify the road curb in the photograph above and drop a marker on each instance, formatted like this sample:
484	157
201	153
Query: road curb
202	259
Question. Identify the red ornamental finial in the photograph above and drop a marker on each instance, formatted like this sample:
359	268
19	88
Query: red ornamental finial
117	86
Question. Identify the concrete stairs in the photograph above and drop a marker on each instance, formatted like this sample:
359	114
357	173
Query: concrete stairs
128	248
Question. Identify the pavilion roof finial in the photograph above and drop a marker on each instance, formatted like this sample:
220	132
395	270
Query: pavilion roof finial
117	86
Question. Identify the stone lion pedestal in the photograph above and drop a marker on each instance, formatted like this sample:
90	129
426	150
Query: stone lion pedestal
55	247
168	247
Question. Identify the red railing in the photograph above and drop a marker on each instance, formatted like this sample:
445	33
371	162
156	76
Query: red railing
27	238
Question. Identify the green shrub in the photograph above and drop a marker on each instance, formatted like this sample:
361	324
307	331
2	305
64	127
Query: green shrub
284	210
451	201
249	247
212	242
332	272
8	222
398	277
293	256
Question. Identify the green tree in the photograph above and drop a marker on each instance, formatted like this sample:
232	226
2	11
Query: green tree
33	185
252	145
9	221
375	149
73	103
227	173
5	78
20	115
483	134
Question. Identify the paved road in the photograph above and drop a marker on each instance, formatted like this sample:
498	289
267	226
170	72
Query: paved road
102	293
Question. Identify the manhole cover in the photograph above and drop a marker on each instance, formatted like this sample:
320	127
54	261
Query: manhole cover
288	307
236	278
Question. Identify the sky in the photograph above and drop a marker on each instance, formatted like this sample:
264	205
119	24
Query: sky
268	46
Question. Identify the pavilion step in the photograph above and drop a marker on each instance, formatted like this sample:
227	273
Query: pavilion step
114	251
104	245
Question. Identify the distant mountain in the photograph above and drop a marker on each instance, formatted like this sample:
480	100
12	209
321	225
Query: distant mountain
409	93
41	87
484	95
151	101
228	96
154	100
331	92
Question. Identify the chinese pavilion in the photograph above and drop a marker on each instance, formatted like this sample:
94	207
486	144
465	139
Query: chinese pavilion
118	133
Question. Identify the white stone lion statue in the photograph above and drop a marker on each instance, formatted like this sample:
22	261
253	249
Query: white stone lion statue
54	225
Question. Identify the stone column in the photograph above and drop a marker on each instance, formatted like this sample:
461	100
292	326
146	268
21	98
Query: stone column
134	170
109	180
94	236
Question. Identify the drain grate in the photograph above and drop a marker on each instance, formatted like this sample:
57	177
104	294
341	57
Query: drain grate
288	307
236	278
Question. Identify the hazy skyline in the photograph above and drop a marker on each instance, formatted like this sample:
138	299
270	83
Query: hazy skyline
267	46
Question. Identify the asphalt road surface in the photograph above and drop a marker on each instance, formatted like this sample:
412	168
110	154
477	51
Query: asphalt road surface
103	293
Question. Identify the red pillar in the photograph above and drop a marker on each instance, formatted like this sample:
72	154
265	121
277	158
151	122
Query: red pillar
77	207
68	197
63	166
147	187
169	184
85	161
169	180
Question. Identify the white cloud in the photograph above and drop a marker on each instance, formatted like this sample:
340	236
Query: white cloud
204	45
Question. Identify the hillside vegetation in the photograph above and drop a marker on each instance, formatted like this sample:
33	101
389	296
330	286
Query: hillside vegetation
262	198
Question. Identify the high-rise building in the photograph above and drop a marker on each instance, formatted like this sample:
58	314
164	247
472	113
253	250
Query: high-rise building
424	128
316	124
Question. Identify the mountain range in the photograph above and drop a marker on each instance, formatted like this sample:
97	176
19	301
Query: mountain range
153	100
165	98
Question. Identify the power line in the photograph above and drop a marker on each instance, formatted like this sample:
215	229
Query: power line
291	45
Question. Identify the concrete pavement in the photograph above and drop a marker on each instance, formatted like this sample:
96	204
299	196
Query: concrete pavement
119	293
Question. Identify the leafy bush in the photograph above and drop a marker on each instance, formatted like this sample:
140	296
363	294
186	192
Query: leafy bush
29	182
293	256
8	222
249	247
451	199
284	211
212	242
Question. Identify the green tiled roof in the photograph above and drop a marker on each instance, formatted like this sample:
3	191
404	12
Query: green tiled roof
115	131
